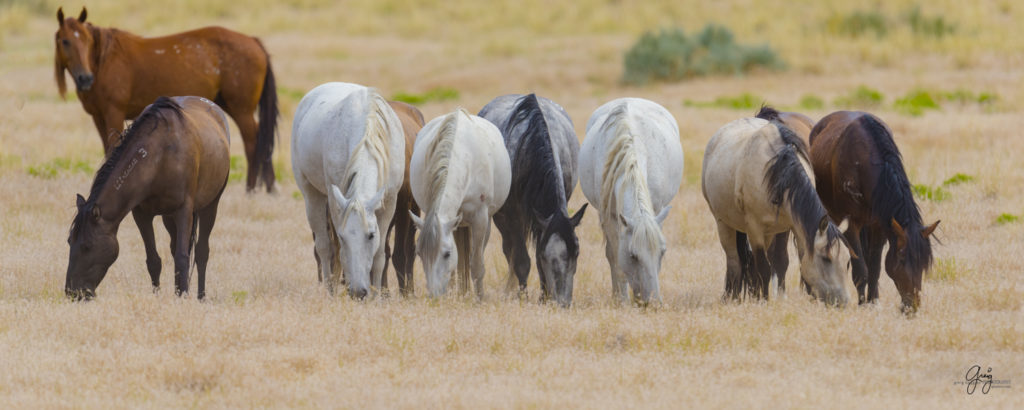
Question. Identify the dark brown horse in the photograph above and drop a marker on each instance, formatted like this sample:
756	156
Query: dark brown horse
173	161
405	230
117	74
860	175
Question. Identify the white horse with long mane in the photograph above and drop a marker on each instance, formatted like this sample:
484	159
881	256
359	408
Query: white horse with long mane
631	166
348	157
461	176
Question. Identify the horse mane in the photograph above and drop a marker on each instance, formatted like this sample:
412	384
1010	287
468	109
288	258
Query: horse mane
767	113
439	154
375	138
538	186
788	183
145	123
622	161
892	197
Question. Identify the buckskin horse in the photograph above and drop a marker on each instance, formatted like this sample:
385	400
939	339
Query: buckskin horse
172	161
117	74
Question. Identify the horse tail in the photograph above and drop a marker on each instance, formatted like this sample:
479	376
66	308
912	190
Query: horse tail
268	114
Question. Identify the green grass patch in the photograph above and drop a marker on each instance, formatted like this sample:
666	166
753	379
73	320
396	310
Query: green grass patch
916	102
434	94
934	194
1006	218
745	101
239	297
293	94
51	169
861	97
858	23
672	55
811	102
297	195
965	97
947	270
928	26
958	179
236	169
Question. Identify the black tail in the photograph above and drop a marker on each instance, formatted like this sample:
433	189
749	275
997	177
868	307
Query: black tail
267	127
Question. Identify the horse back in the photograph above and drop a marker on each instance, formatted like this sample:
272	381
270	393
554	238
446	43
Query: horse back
412	123
845	162
206	139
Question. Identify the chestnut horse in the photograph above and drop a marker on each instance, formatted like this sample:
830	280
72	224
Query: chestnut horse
172	161
117	74
405	231
860	175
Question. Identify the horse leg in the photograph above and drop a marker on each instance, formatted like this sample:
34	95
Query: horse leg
860	272
109	124
479	232
153	263
464	250
611	252
735	266
873	240
405	249
207	218
316	215
778	256
761	279
183	221
513	245
247	127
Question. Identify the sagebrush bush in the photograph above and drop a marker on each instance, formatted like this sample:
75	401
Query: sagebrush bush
671	55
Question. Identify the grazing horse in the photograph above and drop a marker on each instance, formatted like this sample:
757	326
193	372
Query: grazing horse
543	148
461	175
347	157
758	183
778	251
405	230
861	176
117	74
173	161
631	166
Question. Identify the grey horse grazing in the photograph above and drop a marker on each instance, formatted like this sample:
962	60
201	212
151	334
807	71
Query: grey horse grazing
543	150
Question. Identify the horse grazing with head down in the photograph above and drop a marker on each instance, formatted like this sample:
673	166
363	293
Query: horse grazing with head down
461	176
758	183
174	162
543	148
348	159
631	166
861	176
117	74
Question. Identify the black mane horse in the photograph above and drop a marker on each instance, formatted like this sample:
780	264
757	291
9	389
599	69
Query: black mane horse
860	174
543	148
173	161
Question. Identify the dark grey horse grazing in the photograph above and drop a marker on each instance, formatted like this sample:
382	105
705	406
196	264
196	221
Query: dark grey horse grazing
543	149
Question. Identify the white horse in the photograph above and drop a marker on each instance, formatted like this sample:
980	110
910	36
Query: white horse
631	166
758	183
348	157
461	176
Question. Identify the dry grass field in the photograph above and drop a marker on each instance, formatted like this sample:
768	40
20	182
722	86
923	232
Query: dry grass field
268	336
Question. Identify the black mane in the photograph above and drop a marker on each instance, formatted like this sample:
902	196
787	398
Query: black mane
892	197
149	119
767	113
788	183
537	185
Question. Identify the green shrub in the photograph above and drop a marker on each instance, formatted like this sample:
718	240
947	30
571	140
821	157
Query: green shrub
671	55
811	102
745	101
862	97
916	102
928	26
968	97
434	94
934	194
958	179
859	23
1005	218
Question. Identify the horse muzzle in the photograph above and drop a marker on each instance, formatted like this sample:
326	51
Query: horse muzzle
84	81
79	294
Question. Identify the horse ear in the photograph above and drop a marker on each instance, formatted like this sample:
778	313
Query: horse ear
578	217
455	223
928	230
60	16
823	224
96	212
547	221
338	197
623	221
416	220
901	235
662	215
844	225
79	201
373	204
83	15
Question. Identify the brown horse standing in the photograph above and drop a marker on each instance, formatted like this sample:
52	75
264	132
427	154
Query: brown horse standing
174	162
405	230
860	175
117	74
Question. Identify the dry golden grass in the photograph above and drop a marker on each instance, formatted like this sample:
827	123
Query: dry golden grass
269	337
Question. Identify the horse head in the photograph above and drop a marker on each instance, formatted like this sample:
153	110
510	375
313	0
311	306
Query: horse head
641	249
355	223
94	248
437	251
823	267
907	261
74	45
557	252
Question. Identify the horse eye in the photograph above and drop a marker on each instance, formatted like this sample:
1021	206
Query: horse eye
64	42
447	255
634	257
370	236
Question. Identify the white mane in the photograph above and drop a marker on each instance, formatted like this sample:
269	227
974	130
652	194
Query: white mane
622	167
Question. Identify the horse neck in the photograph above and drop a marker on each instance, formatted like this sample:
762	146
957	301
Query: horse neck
125	186
805	212
630	195
365	174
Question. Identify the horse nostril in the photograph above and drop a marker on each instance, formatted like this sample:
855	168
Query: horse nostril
359	294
